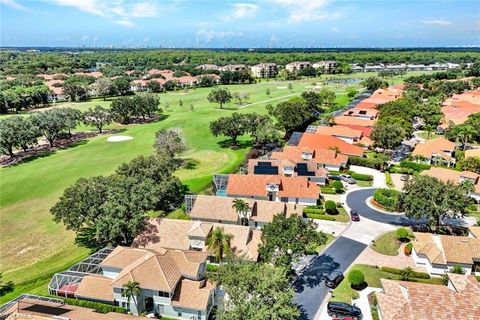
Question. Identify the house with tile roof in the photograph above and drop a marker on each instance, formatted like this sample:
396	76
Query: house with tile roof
216	209
440	253
458	108
456	177
264	70
32	307
184	235
438	151
460	299
323	158
321	141
297	190
348	134
288	168
172	282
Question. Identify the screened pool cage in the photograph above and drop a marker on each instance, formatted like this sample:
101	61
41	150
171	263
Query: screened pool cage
66	283
189	202
220	182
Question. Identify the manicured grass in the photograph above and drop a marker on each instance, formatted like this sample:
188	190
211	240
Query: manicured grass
345	293
424	135
387	244
342	215
34	247
178	214
364	183
330	237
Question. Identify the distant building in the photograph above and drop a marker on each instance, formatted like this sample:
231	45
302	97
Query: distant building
374	67
416	67
326	66
356	68
207	67
264	70
233	67
297	66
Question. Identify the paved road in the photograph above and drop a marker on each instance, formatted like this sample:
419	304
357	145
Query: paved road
357	200
310	288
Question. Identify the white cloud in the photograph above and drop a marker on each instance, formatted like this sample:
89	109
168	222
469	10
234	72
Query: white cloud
144	10
125	23
437	22
118	10
206	36
90	6
14	5
307	10
335	29
242	10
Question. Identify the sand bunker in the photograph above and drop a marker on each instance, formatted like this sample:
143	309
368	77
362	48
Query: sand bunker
282	87
119	138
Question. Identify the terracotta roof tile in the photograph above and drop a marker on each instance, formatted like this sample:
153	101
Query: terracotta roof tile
193	294
355	121
472	153
416	301
340	131
318	141
96	287
434	146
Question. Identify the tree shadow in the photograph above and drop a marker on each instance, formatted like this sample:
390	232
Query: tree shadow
316	271
228	108
360	287
190	164
224	144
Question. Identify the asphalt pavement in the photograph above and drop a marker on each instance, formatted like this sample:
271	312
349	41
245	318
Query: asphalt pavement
358	200
309	286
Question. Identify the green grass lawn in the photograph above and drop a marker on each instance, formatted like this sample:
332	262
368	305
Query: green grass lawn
345	293
424	135
387	244
330	238
342	215
34	247
364	184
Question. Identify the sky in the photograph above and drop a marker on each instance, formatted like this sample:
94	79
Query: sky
240	24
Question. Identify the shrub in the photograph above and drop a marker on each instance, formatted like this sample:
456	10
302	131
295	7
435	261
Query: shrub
313	210
478	278
97	306
408	249
212	267
320	216
407	274
397	169
387	198
418	275
315	207
356	278
327	190
373	163
330	206
457	269
337	185
360	176
402	233
472	207
388	179
415	166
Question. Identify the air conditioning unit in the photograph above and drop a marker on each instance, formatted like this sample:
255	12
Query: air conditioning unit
272	187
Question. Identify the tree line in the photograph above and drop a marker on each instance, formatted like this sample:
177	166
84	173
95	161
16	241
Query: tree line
22	132
54	62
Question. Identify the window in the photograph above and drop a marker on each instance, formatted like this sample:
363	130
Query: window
179	314
163	294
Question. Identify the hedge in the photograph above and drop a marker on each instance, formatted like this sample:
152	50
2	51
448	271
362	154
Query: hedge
337	185
328	190
212	267
97	306
397	169
320	216
313	211
414	165
360	176
418	275
388	179
387	198
366	162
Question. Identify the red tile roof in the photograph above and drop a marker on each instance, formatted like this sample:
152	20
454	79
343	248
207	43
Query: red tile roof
319	141
256	185
340	131
355	121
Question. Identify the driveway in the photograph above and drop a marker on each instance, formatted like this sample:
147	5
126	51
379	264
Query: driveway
357	200
310	288
379	179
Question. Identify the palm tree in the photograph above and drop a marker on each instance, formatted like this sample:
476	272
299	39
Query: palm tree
218	243
429	128
242	207
465	133
131	290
